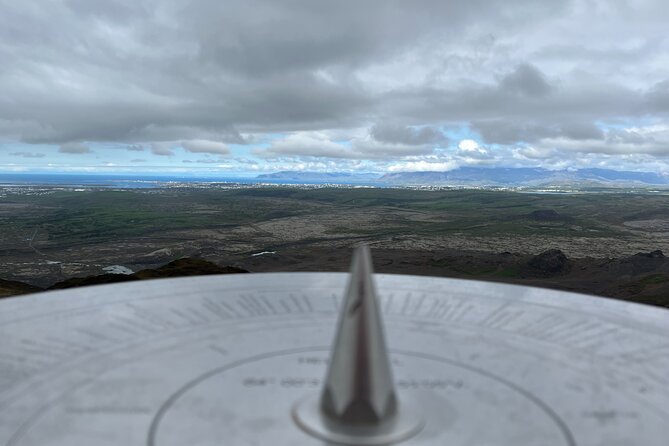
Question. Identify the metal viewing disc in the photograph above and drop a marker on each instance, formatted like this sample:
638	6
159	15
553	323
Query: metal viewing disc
243	360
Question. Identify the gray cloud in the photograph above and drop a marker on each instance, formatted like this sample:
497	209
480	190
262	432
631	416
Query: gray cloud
161	150
581	130
267	39
527	80
74	148
159	71
28	154
658	96
151	73
506	131
393	133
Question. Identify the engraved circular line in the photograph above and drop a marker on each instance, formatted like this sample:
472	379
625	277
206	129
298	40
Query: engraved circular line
27	424
155	422
23	428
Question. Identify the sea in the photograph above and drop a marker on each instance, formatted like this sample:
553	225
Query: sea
107	181
132	181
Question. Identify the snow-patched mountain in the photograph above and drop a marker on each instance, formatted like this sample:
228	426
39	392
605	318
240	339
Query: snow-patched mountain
479	176
525	176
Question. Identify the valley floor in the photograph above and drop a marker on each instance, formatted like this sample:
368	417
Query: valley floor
51	236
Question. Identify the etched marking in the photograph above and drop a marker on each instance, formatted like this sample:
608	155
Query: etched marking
419	304
285	306
267	303
184	317
296	302
31	347
231	309
307	302
125	330
216	309
444	308
199	317
96	335
648	353
461	312
252	302
432	312
108	410
405	305
218	349
68	346
251	311
18	358
538	325
149	316
492	317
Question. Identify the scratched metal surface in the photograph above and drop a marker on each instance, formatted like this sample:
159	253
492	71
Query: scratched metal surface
222	360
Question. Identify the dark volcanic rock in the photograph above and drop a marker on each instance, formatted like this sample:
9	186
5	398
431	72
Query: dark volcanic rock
13	288
657	254
549	262
644	262
187	267
178	268
101	279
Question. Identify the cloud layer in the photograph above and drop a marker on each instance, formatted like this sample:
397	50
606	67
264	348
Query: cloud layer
364	85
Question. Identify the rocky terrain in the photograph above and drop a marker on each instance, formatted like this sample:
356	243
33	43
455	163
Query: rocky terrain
606	243
177	268
14	288
643	277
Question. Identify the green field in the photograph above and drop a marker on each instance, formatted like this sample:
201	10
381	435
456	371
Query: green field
92	216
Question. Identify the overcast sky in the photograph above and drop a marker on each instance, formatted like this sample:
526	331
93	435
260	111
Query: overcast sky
374	85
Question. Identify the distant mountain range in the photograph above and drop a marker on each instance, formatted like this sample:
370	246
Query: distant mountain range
498	176
481	176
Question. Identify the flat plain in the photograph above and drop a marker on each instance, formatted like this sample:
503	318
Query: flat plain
52	234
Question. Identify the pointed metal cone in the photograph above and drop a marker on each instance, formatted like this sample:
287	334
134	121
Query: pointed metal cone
359	386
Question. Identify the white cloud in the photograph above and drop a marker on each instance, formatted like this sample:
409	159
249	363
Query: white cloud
469	145
471	152
307	144
533	153
423	166
362	146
